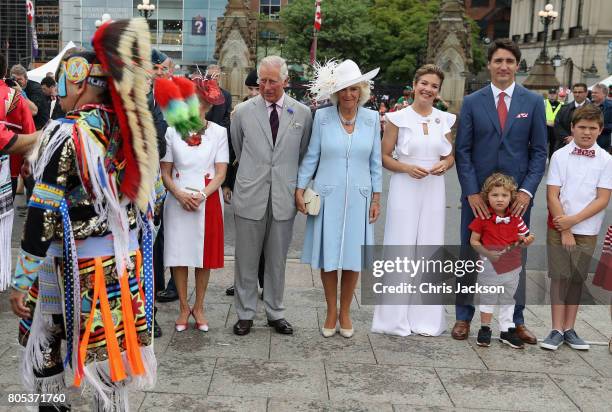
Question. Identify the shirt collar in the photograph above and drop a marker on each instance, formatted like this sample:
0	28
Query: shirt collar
279	102
577	105
595	147
509	91
493	214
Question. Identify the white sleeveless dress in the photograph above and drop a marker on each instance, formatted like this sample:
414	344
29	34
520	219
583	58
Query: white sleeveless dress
416	211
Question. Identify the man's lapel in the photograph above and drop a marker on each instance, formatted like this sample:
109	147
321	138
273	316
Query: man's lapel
517	102
261	113
286	116
489	107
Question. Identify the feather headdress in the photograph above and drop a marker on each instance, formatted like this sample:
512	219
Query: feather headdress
124	50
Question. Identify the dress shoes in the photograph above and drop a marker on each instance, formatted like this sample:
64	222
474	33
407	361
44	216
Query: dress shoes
167	296
230	291
157	332
526	335
461	330
281	326
347	333
328	333
243	327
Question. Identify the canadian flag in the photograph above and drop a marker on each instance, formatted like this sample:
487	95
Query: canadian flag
30	15
317	20
30	10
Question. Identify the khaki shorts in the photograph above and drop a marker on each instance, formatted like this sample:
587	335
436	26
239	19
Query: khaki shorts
573	265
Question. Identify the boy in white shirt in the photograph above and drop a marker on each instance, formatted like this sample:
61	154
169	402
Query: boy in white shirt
578	190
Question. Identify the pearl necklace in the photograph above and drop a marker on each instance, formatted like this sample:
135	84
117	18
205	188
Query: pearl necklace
347	122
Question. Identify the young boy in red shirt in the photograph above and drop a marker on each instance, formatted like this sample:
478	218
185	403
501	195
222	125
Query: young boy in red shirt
495	239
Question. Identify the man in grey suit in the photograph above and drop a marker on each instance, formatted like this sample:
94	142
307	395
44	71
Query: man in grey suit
270	134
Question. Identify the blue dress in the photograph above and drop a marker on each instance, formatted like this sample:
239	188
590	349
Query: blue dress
348	169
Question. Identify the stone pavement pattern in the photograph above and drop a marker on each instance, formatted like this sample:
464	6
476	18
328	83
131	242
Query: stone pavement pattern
265	371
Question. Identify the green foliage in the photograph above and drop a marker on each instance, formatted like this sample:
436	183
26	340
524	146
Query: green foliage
390	34
346	35
479	53
401	27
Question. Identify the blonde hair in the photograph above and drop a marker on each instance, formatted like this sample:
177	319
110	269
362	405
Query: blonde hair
498	180
364	94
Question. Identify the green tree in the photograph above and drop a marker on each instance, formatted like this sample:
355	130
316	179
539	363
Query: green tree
401	27
346	32
390	34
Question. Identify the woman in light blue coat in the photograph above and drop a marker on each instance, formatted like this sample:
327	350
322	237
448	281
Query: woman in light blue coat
344	158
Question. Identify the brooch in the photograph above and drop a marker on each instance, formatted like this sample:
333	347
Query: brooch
194	139
438	120
289	110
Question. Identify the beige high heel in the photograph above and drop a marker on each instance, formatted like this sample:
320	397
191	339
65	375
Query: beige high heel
347	333
328	333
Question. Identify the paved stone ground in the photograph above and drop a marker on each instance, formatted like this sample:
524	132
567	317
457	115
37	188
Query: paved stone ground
264	371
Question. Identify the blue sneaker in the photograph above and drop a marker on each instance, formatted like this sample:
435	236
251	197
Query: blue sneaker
552	341
575	341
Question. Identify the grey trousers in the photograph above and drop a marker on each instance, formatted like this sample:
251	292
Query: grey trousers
252	236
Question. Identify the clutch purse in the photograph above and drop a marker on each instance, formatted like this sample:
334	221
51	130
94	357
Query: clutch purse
312	201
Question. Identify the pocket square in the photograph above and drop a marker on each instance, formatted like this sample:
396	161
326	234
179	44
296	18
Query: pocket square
522	115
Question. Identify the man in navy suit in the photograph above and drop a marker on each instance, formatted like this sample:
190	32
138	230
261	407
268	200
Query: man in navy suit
502	128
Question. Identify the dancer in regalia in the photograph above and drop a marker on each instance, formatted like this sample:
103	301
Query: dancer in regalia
84	271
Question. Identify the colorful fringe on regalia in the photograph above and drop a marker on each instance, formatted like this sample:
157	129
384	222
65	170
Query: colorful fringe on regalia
95	284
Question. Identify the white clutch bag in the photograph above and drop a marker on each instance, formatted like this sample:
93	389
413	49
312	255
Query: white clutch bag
312	201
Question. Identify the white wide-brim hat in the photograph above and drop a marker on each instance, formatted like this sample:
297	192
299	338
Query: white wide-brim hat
332	77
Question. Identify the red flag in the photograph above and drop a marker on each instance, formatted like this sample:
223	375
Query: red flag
318	19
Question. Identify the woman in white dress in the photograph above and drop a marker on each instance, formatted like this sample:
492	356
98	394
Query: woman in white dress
420	137
193	171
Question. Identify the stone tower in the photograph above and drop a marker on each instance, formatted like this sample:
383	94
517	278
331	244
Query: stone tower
450	47
235	47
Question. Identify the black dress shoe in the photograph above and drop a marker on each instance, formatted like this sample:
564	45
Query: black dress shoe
243	327
230	291
281	326
157	332
167	296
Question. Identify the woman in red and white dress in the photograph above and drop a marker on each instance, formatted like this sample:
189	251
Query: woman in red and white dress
193	171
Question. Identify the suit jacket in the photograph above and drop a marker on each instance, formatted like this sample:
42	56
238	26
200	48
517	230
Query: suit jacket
265	169
35	94
482	149
220	113
604	138
160	125
563	123
57	112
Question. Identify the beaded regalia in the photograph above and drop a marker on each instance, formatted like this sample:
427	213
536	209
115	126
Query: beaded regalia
86	258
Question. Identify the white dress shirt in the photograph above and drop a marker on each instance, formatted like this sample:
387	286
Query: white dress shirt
279	108
507	98
579	177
